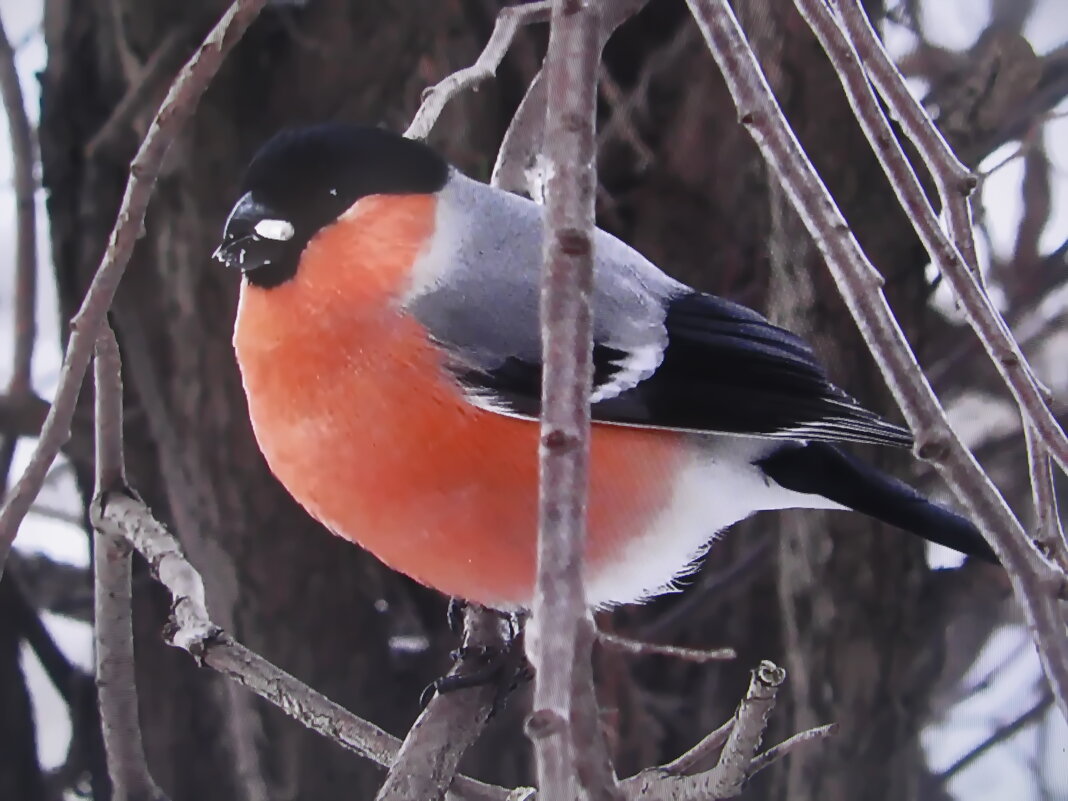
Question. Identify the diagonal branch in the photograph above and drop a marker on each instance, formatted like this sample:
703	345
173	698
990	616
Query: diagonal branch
1035	582
176	109
999	735
509	21
120	515
739	739
955	184
429	757
522	143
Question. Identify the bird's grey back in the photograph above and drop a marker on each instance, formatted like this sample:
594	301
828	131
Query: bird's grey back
488	245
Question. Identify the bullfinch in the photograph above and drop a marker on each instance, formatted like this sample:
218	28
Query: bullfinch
387	335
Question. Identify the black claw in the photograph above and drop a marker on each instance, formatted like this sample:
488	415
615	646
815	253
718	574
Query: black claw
455	615
504	668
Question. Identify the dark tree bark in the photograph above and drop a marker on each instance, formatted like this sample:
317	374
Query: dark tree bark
20	772
838	601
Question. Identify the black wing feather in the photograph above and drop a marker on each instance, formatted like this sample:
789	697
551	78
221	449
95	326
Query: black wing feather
725	369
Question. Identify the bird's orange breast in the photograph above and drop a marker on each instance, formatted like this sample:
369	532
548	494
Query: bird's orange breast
358	419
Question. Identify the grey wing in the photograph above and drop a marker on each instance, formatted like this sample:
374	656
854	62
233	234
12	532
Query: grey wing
664	355
487	319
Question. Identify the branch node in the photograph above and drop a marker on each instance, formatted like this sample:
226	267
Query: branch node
194	637
544	723
934	449
559	439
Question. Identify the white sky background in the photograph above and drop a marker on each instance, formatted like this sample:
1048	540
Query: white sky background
954	24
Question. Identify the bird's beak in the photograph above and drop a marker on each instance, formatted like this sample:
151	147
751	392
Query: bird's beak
235	252
253	236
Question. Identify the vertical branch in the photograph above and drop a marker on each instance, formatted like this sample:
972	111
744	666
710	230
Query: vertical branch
1049	535
115	680
175	110
567	281
24	156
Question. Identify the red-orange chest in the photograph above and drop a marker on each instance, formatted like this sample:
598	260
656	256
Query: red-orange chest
358	418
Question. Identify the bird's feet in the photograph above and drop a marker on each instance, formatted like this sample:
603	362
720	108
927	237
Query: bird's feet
491	655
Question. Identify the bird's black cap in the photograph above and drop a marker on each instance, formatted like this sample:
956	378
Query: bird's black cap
302	179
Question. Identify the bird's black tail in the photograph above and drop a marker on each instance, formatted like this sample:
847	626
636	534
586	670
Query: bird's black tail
821	469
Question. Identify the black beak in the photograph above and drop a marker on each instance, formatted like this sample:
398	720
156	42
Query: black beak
254	236
243	253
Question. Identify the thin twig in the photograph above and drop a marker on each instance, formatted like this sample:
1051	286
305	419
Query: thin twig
113	629
955	183
701	756
750	721
789	745
516	166
194	632
176	109
24	157
1048	532
726	779
509	21
700	656
593	762
1034	580
567	281
151	80
998	736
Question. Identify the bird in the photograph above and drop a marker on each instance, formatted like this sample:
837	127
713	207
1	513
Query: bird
388	340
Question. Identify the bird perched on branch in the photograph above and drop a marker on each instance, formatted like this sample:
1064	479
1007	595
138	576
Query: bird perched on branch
389	345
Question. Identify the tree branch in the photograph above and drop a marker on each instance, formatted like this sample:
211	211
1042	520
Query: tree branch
559	607
194	632
24	158
521	147
509	21
698	656
739	738
1048	534
955	184
429	757
176	109
1035	582
115	674
999	735
151	79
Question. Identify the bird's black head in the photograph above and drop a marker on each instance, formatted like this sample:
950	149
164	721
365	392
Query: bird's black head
304	179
